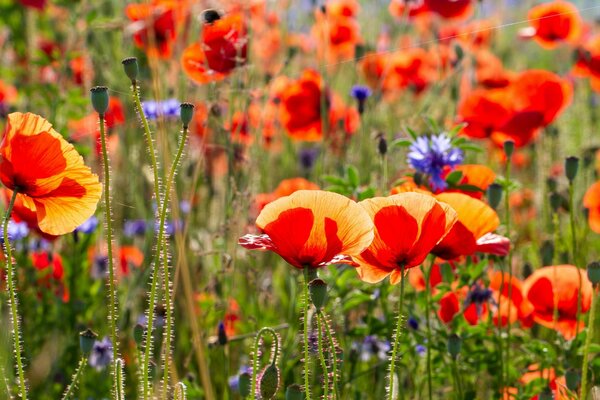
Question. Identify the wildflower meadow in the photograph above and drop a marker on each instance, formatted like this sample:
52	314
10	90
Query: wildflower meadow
300	199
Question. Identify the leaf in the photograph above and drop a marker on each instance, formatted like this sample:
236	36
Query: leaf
401	143
338	189
334	180
366	193
353	178
412	133
454	177
355	300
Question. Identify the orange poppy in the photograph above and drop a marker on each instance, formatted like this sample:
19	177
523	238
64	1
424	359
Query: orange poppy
416	278
588	62
475	220
195	65
49	174
401	8
591	201
558	284
473	309
130	255
20	213
511	307
8	94
553	23
422	221
285	188
490	72
312	228
336	35
157	19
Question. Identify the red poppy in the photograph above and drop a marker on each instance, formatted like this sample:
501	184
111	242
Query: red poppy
588	62
553	23
424	222
455	9
130	256
285	188
37	4
49	174
312	228
509	296
8	93
591	201
475	220
558	284
336	35
157	19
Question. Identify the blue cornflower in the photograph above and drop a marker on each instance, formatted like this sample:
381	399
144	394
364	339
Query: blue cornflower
135	227
16	231
413	323
430	155
308	157
167	109
420	349
88	226
479	296
101	355
361	94
234	381
372	346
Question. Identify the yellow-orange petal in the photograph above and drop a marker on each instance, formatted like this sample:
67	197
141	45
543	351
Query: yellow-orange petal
475	215
311	227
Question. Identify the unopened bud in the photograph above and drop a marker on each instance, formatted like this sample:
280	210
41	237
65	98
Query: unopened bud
593	272
130	65
186	114
318	293
86	340
571	167
269	382
494	195
99	95
454	345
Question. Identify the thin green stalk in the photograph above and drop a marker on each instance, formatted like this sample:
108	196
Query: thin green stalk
574	254
428	326
112	317
509	267
397	335
12	298
586	349
333	351
76	377
322	358
162	244
457	379
305	334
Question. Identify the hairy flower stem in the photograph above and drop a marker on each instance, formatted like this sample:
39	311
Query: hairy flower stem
154	283
428	327
322	358
12	298
397	335
162	245
457	379
574	254
510	271
305	334
76	378
333	351
588	341
112	287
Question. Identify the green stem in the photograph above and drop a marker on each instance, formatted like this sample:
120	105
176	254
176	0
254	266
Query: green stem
305	334
586	349
333	351
76	377
574	254
112	317
509	267
428	326
322	358
154	282
12	298
162	244
457	379
397	335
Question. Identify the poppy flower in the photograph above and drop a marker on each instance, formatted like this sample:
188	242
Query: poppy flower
88	125
472	303
401	8
130	255
558	284
157	19
553	23
475	219
416	278
312	228
285	188
588	61
336	35
450	9
36	4
8	94
509	296
49	174
591	201
195	65
407	227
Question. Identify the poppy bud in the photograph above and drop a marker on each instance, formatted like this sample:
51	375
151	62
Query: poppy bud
186	114
382	146
294	392
222	335
555	201
245	384
546	394
318	293
138	333
494	195
572	377
551	184
211	16
100	99
86	340
593	272
130	65
571	167
509	148
547	252
269	382
454	345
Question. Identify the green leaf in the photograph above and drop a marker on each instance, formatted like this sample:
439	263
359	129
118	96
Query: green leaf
335	180
400	143
366	193
353	178
355	300
412	133
454	177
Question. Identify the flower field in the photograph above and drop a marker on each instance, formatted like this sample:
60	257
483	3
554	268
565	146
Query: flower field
300	199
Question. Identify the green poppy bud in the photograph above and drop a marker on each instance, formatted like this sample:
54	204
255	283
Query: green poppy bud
99	99
86	340
130	65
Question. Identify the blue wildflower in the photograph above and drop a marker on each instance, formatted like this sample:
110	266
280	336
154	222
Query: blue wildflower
166	109
430	155
307	157
102	354
420	349
234	381
16	231
135	227
479	296
413	323
361	94
88	226
372	346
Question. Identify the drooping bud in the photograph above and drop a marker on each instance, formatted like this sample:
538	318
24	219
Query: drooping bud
571	167
269	382
593	272
99	95
494	195
86	340
551	184
186	114
318	293
454	345
130	65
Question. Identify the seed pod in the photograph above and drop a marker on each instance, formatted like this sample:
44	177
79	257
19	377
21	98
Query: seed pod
269	382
